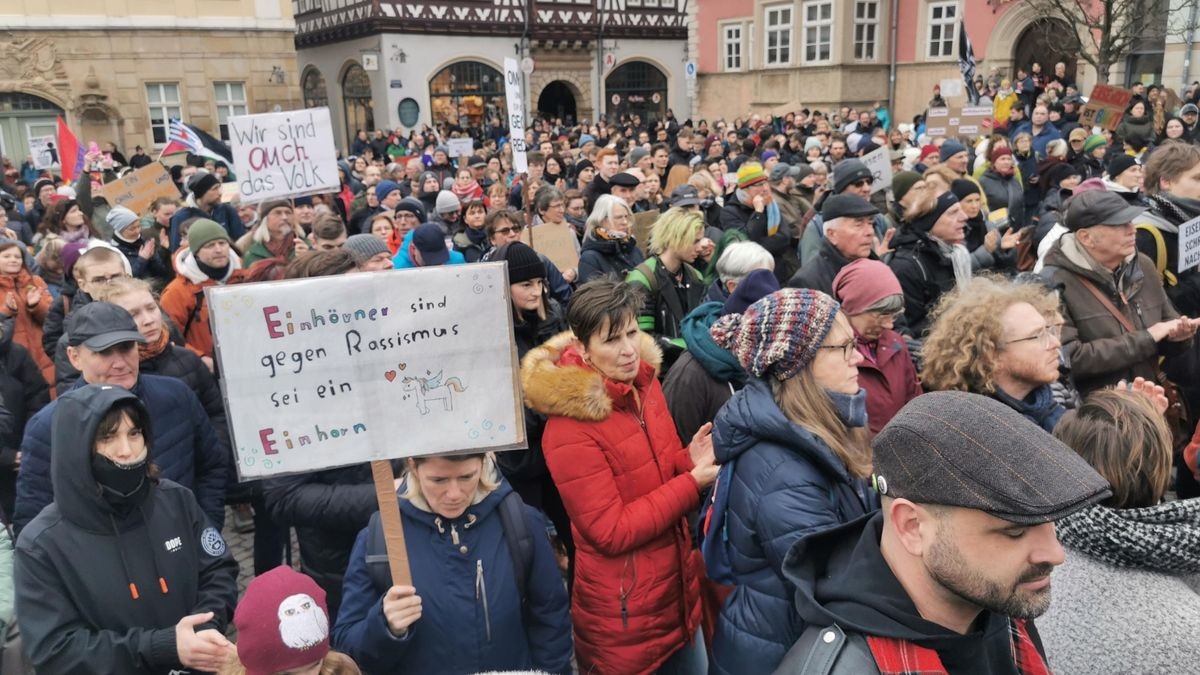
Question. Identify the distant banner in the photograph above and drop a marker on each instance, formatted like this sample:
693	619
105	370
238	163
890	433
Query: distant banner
1105	107
136	190
286	154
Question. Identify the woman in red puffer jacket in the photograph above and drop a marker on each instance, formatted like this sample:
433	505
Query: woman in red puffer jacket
627	485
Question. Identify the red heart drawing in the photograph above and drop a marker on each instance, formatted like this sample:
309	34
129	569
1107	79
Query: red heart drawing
390	375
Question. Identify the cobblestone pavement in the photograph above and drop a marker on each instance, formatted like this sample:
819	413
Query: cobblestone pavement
242	547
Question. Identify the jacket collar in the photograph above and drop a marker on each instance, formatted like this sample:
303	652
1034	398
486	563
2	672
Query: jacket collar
557	381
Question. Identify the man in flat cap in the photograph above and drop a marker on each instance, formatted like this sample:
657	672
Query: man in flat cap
949	575
849	235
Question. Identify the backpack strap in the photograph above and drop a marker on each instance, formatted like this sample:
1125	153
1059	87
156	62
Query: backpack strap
518	539
377	558
1160	253
194	314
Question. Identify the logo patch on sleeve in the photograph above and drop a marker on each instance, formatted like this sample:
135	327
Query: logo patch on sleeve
212	542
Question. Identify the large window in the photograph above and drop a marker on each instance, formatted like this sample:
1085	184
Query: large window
818	31
357	102
866	28
778	27
943	27
733	47
312	85
636	88
467	93
163	101
231	100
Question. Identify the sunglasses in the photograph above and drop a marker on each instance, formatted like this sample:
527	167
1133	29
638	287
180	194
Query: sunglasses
515	229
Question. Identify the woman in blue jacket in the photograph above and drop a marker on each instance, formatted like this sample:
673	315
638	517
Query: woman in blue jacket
473	549
796	437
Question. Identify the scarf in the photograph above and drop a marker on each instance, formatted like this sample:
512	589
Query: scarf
284	248
469	193
1039	407
1177	210
959	257
717	362
476	237
894	656
153	349
773	215
605	235
1162	538
851	408
214	273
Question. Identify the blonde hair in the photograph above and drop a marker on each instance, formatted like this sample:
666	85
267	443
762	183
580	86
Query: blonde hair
803	401
489	477
703	180
122	286
967	332
334	663
675	229
1126	440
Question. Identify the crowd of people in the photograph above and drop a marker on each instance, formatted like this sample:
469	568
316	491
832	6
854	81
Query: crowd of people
781	417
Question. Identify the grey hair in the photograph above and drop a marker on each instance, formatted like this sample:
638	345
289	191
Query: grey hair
546	195
889	305
741	258
602	212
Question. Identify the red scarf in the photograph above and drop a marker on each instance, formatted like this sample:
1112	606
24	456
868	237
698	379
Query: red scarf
151	350
901	657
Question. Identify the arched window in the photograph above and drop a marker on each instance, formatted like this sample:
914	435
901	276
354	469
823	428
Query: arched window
313	86
636	88
467	92
356	101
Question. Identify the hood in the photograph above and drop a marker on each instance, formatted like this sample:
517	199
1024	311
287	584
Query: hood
841	577
717	362
556	381
185	264
752	417
73	428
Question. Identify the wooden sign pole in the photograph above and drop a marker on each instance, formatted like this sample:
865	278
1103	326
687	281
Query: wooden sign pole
389	518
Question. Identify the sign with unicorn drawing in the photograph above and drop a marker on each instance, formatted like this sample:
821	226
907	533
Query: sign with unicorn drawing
325	372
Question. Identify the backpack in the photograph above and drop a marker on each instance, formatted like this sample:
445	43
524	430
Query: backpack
714	528
1160	254
516	536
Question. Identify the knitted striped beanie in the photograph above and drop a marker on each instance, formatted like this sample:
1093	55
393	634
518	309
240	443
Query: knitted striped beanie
779	334
750	173
1094	141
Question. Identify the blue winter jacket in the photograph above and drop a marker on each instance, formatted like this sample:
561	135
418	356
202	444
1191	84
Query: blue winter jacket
224	214
786	483
402	261
471	619
186	449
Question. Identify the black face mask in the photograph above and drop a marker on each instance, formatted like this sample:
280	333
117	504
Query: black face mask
121	481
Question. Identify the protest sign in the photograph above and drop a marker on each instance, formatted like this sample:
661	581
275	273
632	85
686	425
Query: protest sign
287	154
556	242
460	147
136	190
43	152
643	225
937	122
951	87
1189	245
973	121
879	161
320	373
1105	107
516	113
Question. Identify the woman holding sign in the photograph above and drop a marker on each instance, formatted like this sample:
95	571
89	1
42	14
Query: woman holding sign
627	485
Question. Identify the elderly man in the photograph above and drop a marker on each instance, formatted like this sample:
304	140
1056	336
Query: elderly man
625	187
849	177
950	574
752	210
849	224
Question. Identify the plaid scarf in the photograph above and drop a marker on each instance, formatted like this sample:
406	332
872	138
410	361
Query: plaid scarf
901	657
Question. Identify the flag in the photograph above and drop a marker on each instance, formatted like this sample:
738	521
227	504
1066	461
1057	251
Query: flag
70	152
966	62
187	138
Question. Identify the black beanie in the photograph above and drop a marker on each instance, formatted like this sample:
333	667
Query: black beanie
1119	164
202	183
523	262
963	188
926	222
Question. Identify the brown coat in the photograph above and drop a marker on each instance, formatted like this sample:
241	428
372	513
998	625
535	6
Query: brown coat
1102	352
27	321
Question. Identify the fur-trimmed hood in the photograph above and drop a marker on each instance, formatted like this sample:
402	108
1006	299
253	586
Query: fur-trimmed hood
557	382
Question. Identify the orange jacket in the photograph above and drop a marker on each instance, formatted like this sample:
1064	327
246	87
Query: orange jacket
27	321
183	300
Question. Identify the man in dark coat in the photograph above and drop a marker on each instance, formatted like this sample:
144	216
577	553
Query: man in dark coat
751	210
849	235
204	201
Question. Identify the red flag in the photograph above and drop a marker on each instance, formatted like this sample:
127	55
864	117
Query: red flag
70	152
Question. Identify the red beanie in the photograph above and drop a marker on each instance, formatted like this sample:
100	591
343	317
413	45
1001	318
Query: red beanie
282	622
926	151
998	152
863	283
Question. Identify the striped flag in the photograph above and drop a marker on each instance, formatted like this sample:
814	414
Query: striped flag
70	152
966	62
187	138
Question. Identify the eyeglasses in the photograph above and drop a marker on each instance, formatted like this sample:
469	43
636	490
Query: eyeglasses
862	182
848	349
1043	336
515	229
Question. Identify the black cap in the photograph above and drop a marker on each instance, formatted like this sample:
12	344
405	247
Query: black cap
846	206
952	448
100	325
1098	207
475	161
625	179
430	241
685	195
849	171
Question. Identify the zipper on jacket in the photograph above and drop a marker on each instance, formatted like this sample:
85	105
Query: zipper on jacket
626	591
481	594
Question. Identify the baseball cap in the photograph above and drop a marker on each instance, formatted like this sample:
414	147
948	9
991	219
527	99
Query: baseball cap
431	243
685	195
1093	208
779	172
953	448
100	325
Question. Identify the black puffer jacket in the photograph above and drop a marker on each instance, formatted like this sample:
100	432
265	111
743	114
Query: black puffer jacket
603	257
925	275
52	328
23	392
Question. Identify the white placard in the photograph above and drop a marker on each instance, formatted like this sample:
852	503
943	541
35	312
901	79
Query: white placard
44	152
320	373
287	154
879	161
516	113
952	86
460	147
1189	245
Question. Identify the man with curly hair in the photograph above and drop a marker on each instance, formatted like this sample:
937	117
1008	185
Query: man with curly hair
1000	339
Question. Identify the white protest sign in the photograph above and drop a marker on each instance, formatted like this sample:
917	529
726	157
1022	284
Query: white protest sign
43	151
460	147
320	373
1189	245
516	113
287	154
952	86
879	161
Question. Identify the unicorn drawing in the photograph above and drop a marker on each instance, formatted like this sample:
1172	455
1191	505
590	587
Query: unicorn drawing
427	389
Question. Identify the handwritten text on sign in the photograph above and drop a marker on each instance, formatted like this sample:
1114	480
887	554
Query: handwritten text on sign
1189	245
341	370
516	115
283	154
